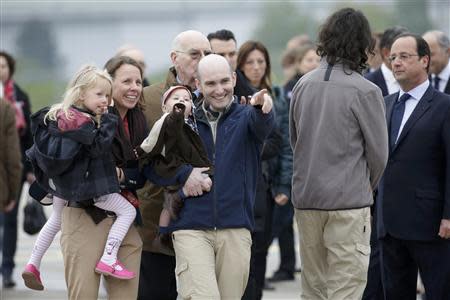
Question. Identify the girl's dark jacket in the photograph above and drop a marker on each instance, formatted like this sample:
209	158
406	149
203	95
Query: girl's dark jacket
75	165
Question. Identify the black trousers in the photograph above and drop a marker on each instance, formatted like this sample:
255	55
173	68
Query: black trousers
403	259
283	218
9	239
261	240
157	277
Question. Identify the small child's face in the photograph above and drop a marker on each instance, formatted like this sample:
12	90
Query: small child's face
96	98
179	96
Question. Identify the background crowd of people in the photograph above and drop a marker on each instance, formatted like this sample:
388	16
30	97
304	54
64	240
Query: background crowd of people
366	179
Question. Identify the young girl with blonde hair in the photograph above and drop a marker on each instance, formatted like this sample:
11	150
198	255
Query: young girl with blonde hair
72	161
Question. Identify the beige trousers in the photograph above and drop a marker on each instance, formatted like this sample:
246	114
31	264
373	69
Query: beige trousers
334	252
82	244
212	264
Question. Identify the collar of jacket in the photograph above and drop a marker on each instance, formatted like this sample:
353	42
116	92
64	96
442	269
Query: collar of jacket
171	78
337	65
83	110
205	113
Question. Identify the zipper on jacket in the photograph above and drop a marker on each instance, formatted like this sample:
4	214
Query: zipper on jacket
219	122
213	163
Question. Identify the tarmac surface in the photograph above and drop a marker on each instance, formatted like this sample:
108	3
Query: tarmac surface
52	272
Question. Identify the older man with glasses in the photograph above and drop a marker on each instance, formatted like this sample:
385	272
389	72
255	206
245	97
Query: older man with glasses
157	278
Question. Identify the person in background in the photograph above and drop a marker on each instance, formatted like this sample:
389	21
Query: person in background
305	60
339	158
375	59
440	59
298	41
274	186
136	54
288	64
10	161
224	44
18	99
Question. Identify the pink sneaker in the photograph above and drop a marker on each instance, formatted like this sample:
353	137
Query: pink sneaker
117	270
32	278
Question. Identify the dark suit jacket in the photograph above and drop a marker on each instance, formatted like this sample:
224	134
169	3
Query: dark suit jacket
414	193
378	78
447	87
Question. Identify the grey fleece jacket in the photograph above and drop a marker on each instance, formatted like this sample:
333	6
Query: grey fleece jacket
339	139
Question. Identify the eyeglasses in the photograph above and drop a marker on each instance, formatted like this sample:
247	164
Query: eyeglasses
195	54
401	57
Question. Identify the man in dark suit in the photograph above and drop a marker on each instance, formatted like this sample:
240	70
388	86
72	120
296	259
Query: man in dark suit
414	193
385	80
383	77
440	55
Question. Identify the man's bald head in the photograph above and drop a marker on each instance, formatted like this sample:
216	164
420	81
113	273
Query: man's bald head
213	62
440	50
134	53
216	81
185	39
188	48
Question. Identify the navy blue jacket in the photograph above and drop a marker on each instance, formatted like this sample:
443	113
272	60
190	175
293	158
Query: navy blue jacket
74	165
241	131
378	78
414	193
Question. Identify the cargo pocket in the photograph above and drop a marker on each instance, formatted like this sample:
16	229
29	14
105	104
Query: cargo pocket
363	254
363	249
184	280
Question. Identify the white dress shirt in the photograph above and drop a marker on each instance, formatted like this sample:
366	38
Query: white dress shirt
410	104
391	83
443	76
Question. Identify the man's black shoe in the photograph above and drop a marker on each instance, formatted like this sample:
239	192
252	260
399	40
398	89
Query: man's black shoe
8	282
281	276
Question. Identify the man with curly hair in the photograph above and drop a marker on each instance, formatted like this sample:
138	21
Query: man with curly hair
340	148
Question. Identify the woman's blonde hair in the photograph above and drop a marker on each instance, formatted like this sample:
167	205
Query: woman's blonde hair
86	78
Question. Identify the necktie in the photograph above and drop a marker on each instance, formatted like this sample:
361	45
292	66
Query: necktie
436	82
396	119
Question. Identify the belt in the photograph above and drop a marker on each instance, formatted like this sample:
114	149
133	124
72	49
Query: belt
76	204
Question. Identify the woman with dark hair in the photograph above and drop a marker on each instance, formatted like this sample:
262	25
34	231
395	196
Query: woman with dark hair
254	61
84	230
274	183
18	99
